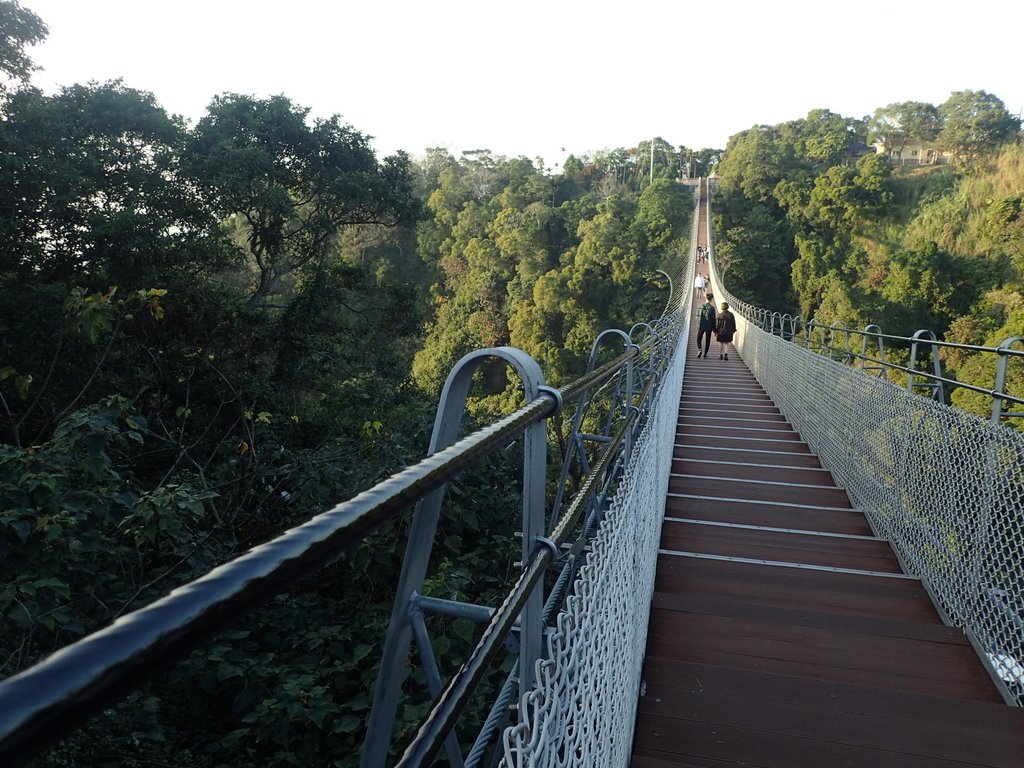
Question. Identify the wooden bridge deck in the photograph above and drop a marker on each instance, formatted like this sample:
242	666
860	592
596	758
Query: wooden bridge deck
783	634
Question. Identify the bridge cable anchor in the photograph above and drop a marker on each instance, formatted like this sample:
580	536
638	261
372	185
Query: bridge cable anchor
555	394
544	541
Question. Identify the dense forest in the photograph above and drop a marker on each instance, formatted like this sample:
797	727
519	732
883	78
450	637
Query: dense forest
812	222
212	332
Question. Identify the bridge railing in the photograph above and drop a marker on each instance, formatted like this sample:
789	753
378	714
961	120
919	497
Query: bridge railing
581	709
944	486
921	356
50	699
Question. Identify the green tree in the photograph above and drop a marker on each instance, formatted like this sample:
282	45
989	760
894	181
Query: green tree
91	190
755	161
975	123
926	287
823	137
896	124
19	28
704	161
290	185
755	250
663	211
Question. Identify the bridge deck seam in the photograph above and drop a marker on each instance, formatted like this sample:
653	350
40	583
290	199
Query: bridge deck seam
771	529
819	507
785	564
830	486
720	463
751	439
745	450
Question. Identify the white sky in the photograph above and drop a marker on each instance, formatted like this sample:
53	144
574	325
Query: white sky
529	77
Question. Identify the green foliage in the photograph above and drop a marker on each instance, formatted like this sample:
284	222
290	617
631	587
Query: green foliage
938	248
755	161
91	191
896	124
755	249
61	504
521	266
290	184
208	337
19	28
156	421
975	123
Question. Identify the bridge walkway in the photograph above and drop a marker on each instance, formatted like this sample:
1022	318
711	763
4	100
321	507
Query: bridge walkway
783	634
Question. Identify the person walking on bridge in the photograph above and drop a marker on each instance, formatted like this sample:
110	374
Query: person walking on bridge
700	284
725	329
706	323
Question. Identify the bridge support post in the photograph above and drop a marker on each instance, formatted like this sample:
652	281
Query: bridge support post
393	668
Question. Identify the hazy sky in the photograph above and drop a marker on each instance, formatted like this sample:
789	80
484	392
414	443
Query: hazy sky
529	77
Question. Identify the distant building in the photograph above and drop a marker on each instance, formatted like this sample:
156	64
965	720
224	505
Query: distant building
856	151
914	152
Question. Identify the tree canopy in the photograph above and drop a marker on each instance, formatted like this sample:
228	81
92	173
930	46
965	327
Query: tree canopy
896	124
805	228
975	122
214	332
19	29
292	186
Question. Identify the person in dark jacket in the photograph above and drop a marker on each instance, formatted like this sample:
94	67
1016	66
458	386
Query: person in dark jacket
725	329
705	324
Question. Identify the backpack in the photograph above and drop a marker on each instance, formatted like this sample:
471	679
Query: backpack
706	318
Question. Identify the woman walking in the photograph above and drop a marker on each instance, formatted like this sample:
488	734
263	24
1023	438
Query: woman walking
725	329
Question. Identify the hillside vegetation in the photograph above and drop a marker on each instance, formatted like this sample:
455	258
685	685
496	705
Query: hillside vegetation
852	240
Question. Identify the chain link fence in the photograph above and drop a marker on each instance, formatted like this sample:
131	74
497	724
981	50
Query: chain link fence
582	710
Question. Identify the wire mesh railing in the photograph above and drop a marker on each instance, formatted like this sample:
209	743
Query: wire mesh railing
915	362
582	708
944	486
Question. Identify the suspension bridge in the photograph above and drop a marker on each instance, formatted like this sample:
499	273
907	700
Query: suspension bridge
782	559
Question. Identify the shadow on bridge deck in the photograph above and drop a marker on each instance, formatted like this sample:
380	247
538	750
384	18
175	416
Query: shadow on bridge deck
783	634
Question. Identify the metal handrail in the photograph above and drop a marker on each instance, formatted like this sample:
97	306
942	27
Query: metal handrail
70	685
443	716
820	338
50	699
60	692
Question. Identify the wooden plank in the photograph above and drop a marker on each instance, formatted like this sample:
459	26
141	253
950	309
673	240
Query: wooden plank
771	458
769	514
735	429
753	405
736	607
946	739
752	747
749	469
792	587
890	663
751	440
718	420
768	637
986	719
753	402
861	554
729	488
